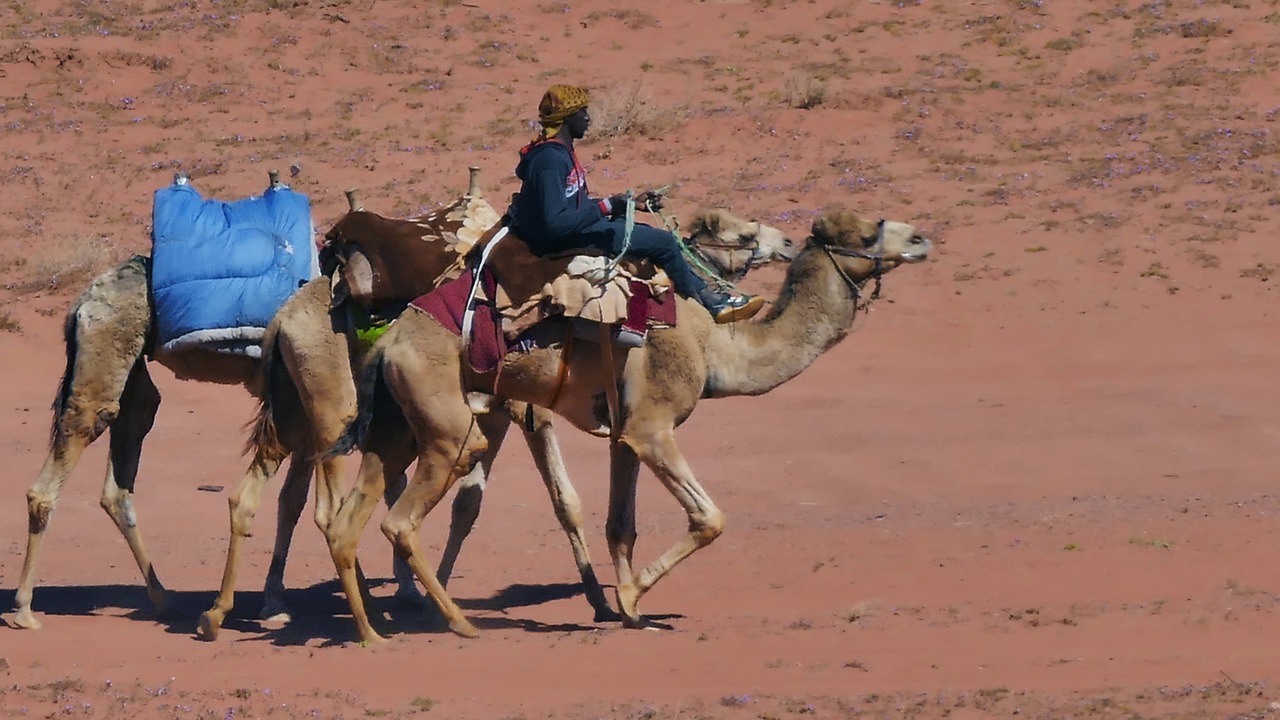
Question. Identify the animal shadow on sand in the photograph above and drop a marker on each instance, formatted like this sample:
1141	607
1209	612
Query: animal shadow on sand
319	611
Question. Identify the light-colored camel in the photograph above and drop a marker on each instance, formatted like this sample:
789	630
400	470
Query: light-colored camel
308	368
107	386
409	391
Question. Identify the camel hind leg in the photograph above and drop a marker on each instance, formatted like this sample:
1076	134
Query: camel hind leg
466	503
564	498
104	334
453	447
289	506
386	454
42	497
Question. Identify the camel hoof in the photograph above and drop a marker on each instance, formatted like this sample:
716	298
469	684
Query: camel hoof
636	622
607	614
210	624
161	601
464	628
372	639
275	612
27	620
277	621
411	598
628	598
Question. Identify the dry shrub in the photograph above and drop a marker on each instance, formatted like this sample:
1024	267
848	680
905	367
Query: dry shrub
8	323
67	262
804	92
629	111
630	17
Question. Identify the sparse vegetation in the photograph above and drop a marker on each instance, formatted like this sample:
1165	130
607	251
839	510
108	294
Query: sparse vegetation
804	92
1076	157
629	110
8	323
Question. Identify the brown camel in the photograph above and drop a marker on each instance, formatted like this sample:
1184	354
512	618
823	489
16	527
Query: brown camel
410	395
307	373
107	386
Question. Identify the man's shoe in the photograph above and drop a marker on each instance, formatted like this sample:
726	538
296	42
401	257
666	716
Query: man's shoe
732	308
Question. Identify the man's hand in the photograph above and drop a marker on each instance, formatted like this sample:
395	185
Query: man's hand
617	205
649	200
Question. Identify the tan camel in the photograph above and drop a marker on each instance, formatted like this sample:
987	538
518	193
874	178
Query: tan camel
417	364
107	386
308	368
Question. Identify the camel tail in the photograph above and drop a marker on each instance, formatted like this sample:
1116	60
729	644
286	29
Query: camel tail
370	391
264	437
70	328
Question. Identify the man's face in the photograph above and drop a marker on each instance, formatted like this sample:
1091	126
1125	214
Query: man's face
578	123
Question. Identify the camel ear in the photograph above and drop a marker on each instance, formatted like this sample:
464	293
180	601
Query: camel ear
823	230
706	221
328	259
835	226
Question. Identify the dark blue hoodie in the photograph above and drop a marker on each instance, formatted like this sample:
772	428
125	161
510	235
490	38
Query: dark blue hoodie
552	205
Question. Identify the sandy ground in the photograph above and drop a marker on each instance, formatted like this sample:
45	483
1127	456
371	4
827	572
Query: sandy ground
1034	481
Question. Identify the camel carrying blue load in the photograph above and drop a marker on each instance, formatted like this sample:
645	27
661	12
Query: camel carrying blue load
220	270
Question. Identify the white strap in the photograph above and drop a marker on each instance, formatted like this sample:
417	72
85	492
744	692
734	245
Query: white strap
468	314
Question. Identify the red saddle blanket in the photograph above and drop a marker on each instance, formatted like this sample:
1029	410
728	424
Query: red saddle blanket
447	304
488	343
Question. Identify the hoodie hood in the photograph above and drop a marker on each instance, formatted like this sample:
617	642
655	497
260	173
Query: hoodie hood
528	152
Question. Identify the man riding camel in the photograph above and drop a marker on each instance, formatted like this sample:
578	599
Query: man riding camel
553	211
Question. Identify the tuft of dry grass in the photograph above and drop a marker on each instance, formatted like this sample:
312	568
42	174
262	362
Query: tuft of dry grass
629	111
631	18
8	323
804	92
67	262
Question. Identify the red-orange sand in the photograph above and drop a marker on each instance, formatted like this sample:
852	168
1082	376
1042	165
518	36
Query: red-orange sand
1037	480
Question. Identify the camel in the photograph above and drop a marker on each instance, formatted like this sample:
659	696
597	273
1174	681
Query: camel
409	395
107	386
308	371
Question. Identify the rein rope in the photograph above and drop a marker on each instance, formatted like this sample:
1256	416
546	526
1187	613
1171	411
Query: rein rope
877	271
628	226
694	257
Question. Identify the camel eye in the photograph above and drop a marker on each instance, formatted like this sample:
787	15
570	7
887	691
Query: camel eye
871	241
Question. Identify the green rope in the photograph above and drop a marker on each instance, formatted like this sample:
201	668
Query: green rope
694	259
628	225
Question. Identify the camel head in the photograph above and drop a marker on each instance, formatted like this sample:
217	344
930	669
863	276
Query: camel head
862	248
732	245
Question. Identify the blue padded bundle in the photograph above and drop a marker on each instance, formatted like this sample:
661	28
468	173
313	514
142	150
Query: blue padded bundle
221	270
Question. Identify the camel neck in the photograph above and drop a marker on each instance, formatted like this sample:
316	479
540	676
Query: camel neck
813	312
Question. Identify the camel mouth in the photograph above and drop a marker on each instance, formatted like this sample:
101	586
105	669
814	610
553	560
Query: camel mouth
919	253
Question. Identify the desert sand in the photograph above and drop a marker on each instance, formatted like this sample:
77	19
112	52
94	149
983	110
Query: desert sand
1034	481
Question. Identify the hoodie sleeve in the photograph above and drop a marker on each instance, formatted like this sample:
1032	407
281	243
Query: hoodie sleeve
547	207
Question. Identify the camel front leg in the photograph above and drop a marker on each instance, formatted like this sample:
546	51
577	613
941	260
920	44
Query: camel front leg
620	527
138	405
568	508
706	522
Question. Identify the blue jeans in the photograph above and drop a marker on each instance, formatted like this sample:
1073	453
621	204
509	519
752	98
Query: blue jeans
647	242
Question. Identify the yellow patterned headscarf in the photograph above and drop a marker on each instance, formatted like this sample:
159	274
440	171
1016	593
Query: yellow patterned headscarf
558	103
